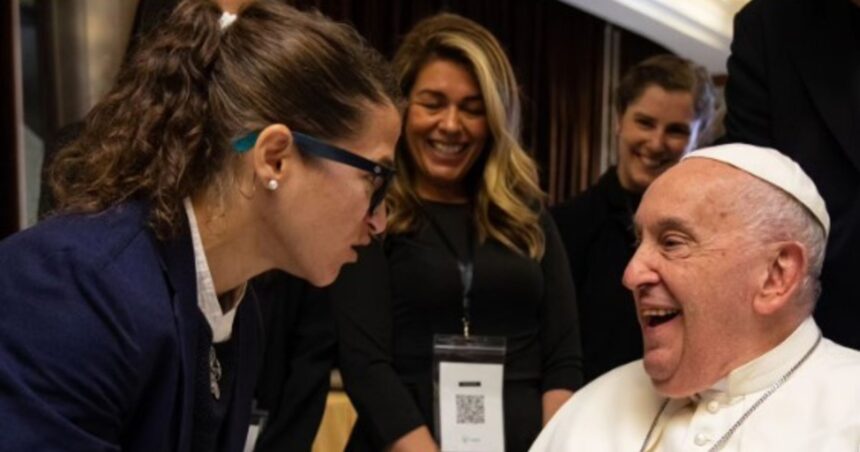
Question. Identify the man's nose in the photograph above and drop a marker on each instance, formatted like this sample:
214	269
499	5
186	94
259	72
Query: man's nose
639	271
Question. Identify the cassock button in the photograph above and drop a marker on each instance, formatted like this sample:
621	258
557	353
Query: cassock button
701	439
713	406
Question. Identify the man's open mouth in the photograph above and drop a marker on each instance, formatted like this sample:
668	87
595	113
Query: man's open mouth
656	317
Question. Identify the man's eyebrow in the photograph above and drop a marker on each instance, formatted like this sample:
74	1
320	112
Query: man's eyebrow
674	223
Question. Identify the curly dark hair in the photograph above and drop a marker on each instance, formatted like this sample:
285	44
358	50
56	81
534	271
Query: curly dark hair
164	130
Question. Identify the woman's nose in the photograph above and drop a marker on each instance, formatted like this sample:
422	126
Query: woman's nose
450	122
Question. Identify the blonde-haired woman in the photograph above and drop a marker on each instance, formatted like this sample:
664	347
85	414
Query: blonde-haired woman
465	197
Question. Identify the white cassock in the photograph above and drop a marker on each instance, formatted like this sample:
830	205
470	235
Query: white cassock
816	409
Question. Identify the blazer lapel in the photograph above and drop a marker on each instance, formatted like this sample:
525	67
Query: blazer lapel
247	332
177	258
829	63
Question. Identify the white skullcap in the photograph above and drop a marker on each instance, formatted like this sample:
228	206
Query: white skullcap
774	168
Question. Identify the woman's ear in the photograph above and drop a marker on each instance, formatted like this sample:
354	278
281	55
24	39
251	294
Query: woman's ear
274	155
786	271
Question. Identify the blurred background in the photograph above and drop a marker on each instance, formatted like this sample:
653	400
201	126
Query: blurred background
58	57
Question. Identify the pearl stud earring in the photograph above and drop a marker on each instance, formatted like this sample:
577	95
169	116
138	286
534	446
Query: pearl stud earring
272	184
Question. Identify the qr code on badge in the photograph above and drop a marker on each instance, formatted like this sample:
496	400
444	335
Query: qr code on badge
470	409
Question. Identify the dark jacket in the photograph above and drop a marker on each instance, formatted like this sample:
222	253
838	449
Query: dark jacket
597	230
794	85
99	338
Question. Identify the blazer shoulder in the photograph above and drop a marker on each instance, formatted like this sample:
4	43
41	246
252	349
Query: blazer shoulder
94	237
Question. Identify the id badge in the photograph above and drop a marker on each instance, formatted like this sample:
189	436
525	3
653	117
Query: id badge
468	383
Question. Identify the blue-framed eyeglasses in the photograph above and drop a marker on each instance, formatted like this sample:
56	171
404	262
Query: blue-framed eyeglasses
382	175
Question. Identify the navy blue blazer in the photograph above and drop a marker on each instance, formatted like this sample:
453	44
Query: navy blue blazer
98	338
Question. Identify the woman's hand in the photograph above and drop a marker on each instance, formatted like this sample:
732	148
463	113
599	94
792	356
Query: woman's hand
418	440
552	401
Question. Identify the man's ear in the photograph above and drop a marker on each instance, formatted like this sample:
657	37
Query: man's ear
272	155
785	273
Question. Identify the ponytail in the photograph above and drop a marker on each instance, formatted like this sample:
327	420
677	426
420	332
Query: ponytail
163	132
150	137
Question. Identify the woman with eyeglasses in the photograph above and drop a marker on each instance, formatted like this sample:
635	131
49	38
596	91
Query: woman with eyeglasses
230	144
470	252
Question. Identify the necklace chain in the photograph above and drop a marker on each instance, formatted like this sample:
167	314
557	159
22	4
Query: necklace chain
726	436
214	373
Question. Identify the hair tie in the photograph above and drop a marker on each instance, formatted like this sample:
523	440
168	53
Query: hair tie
227	19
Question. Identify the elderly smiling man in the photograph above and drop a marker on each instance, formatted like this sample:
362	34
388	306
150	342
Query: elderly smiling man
725	279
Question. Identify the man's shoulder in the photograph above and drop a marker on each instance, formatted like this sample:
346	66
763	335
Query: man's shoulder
612	412
840	360
830	380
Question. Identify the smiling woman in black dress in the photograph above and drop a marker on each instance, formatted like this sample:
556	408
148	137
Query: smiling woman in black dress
465	191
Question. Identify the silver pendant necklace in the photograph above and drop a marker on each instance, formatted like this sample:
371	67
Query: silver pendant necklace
726	436
214	373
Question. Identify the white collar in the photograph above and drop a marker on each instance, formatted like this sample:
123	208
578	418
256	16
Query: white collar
765	370
220	322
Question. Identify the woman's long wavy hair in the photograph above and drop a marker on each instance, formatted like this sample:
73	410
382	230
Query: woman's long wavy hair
507	199
164	131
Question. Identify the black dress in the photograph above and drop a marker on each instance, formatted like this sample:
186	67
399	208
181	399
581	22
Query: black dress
402	292
597	230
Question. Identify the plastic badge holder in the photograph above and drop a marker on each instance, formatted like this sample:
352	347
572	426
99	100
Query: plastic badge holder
468	376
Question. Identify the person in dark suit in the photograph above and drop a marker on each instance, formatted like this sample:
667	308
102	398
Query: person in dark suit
794	85
218	154
663	104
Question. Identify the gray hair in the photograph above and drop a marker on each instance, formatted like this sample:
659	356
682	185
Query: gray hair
775	215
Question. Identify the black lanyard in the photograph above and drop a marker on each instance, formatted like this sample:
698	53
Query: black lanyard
464	266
